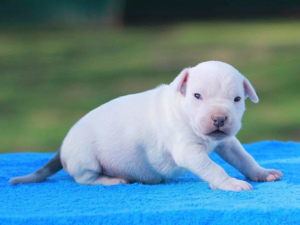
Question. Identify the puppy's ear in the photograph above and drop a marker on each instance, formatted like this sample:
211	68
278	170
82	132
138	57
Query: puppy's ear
250	91
179	83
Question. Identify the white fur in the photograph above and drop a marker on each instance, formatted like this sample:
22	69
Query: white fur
163	133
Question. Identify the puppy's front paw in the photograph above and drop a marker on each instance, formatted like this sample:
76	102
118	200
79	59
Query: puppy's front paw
232	184
266	175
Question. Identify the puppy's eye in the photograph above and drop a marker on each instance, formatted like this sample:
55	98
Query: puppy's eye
237	99
197	96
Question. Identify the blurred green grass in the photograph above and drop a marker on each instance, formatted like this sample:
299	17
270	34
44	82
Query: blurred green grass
52	77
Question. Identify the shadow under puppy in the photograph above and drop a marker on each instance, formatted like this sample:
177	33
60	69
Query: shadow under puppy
163	133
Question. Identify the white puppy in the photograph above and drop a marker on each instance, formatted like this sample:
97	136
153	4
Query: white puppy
163	133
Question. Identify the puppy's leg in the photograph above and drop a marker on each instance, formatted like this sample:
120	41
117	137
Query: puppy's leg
233	152
90	177
195	159
90	173
78	158
86	169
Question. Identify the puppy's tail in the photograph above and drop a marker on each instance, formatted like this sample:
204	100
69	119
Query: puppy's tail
53	166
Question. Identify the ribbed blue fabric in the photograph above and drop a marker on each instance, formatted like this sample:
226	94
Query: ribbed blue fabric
185	200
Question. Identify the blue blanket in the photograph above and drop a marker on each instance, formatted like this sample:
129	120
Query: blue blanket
185	200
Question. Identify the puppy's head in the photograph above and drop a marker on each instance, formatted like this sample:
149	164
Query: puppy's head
212	98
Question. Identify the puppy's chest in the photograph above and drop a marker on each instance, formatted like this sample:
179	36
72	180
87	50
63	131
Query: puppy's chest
211	147
163	163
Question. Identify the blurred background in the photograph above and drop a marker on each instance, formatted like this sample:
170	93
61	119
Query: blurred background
61	59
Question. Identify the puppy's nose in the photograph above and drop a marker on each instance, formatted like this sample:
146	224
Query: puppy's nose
219	120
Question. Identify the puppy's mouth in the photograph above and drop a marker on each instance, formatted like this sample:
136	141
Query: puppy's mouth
217	134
